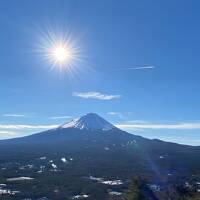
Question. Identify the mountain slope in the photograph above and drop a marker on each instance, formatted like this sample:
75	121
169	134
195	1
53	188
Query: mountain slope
92	146
94	135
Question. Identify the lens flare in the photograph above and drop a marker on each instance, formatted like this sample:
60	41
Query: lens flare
62	54
59	50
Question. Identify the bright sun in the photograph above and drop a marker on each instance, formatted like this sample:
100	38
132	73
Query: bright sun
60	50
61	54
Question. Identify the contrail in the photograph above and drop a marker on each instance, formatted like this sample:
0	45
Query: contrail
138	68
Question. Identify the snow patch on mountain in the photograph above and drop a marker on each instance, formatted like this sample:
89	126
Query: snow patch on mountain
90	121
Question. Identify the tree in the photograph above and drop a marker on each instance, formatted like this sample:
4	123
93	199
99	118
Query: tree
135	191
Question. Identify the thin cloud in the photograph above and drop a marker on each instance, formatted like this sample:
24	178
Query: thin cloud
61	117
95	95
175	126
113	113
118	114
6	133
13	115
139	68
26	126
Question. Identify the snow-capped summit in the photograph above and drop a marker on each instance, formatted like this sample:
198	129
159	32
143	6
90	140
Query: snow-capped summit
90	121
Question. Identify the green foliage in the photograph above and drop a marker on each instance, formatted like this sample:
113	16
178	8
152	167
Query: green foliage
136	190
195	196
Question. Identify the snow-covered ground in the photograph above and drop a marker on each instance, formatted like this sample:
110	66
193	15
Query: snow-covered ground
106	182
22	178
81	196
90	121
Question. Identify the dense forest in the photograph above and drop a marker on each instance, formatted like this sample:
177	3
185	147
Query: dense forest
139	190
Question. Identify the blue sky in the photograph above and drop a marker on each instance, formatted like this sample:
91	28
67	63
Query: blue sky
139	66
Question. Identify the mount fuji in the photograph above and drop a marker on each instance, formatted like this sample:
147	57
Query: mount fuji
90	121
91	146
94	135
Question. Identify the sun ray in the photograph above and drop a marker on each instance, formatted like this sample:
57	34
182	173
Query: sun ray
59	50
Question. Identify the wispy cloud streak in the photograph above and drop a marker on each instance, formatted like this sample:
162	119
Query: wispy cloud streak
26	126
13	115
6	133
61	117
95	95
138	68
118	114
177	126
